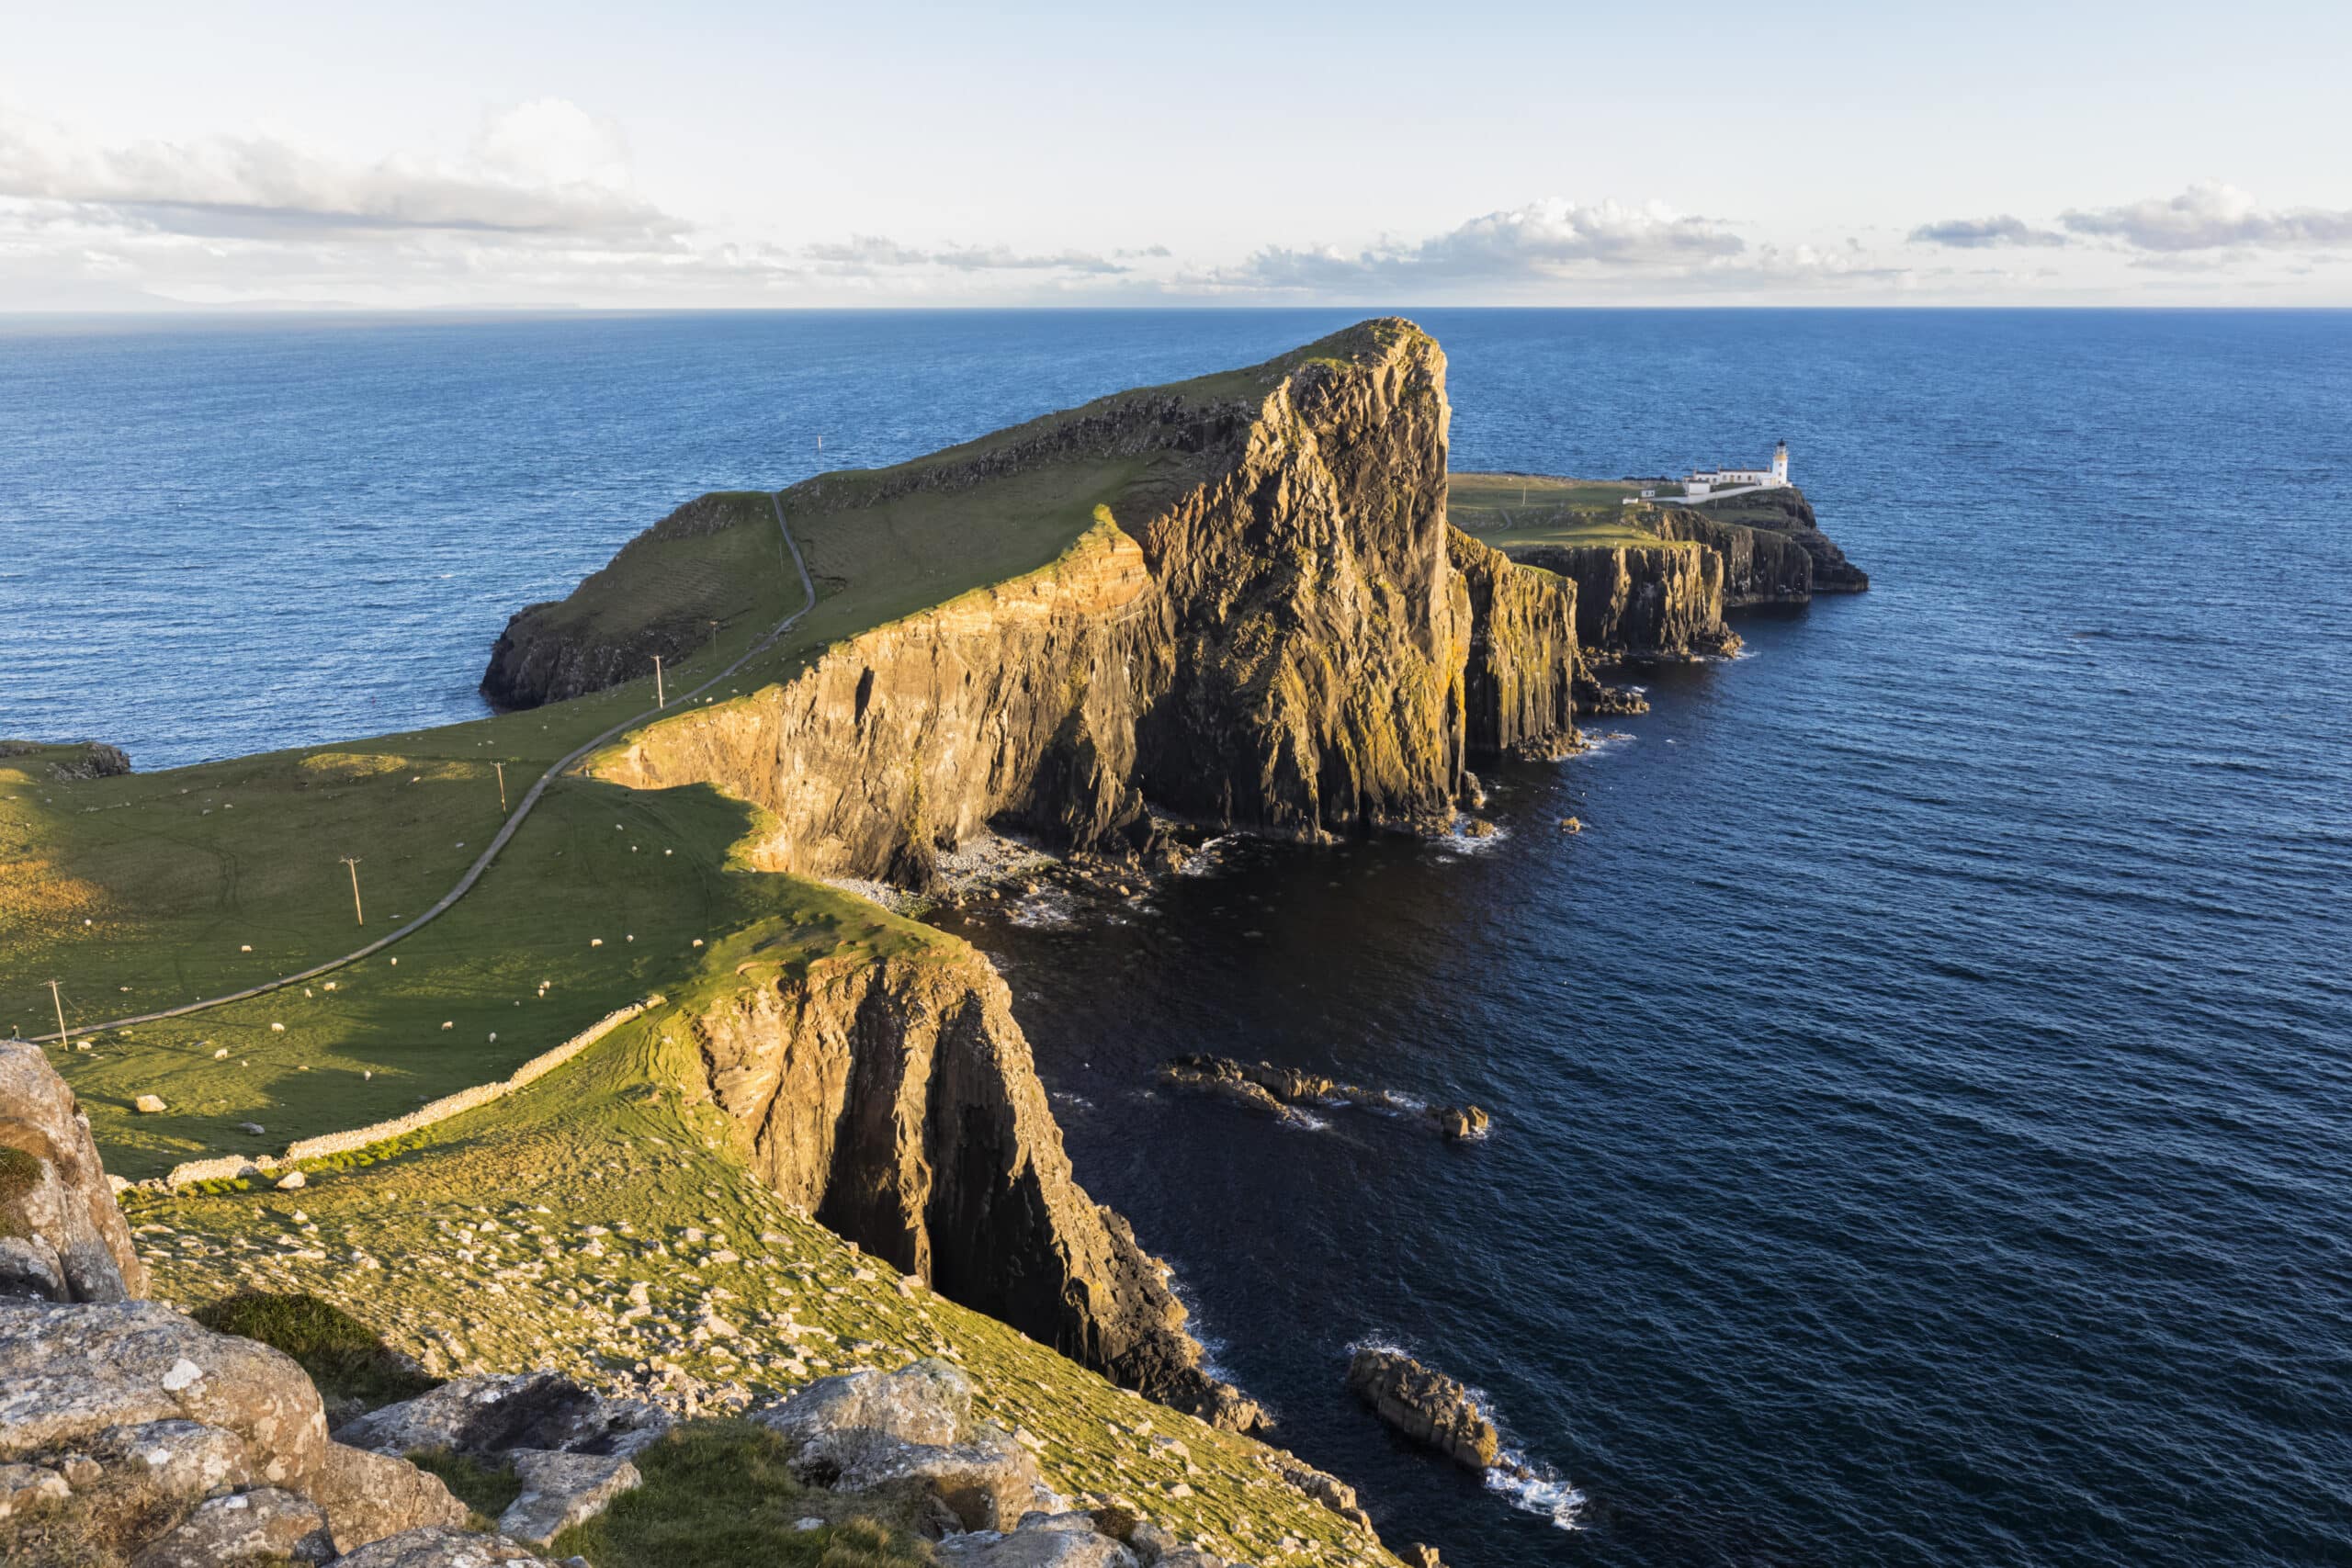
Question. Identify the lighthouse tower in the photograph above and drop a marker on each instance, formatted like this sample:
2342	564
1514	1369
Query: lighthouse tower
1781	463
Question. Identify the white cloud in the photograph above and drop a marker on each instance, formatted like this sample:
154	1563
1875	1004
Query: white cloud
1983	234
1543	241
2212	216
544	171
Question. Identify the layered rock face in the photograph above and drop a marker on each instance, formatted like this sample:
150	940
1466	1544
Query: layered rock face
896	1100
1519	682
1791	515
1760	567
1643	601
1278	643
1015	703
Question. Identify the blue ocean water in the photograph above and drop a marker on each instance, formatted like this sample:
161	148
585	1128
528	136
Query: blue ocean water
1923	1095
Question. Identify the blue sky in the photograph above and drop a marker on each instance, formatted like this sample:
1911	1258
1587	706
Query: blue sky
435	155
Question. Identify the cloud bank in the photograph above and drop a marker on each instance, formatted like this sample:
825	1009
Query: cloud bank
1983	234
544	169
2212	216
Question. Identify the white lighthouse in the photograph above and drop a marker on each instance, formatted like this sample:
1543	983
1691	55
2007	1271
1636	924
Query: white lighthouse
1781	463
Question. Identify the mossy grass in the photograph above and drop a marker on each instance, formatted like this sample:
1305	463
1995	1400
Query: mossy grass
719	1494
348	1361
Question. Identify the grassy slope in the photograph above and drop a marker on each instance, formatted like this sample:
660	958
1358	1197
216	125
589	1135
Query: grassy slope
735	574
1510	510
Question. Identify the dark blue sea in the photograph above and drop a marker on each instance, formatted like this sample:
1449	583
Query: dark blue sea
1923	1095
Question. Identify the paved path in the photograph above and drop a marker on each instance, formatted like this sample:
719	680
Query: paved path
473	873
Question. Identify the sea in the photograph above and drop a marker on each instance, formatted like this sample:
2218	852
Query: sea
1922	1094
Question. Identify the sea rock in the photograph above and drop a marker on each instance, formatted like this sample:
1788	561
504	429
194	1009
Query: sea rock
1426	1405
265	1525
369	1495
63	1237
438	1546
70	1372
1041	1541
910	1432
491	1414
560	1489
1464	1124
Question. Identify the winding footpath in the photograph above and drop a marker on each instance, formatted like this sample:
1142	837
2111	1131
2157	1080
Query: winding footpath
473	873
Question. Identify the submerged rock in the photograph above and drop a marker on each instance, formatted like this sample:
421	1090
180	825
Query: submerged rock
1426	1405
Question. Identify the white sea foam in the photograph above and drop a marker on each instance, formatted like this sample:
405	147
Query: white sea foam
1535	1489
1303	1120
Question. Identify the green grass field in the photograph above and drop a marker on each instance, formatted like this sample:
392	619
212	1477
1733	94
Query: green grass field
1508	510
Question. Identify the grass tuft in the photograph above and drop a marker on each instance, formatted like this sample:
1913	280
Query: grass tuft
719	1495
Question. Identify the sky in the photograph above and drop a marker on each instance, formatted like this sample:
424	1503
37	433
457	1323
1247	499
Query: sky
433	156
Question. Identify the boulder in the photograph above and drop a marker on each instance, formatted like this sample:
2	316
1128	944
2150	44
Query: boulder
928	1401
63	1237
175	1458
438	1545
1426	1405
70	1372
370	1496
560	1489
26	1486
265	1525
523	1410
1158	1548
1041	1541
910	1432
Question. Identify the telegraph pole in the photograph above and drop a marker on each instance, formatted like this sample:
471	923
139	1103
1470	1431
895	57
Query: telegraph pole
59	1004
355	912
502	787
659	700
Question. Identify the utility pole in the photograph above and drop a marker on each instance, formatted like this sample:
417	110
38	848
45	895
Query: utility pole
659	700
502	787
355	913
60	1003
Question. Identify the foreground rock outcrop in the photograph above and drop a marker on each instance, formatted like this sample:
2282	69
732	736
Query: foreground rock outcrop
62	1238
896	1100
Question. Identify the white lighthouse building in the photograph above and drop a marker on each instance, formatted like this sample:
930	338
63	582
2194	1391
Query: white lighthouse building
1706	482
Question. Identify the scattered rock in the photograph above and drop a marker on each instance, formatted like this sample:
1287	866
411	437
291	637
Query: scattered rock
149	1105
560	1489
293	1180
1324	1487
1426	1405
